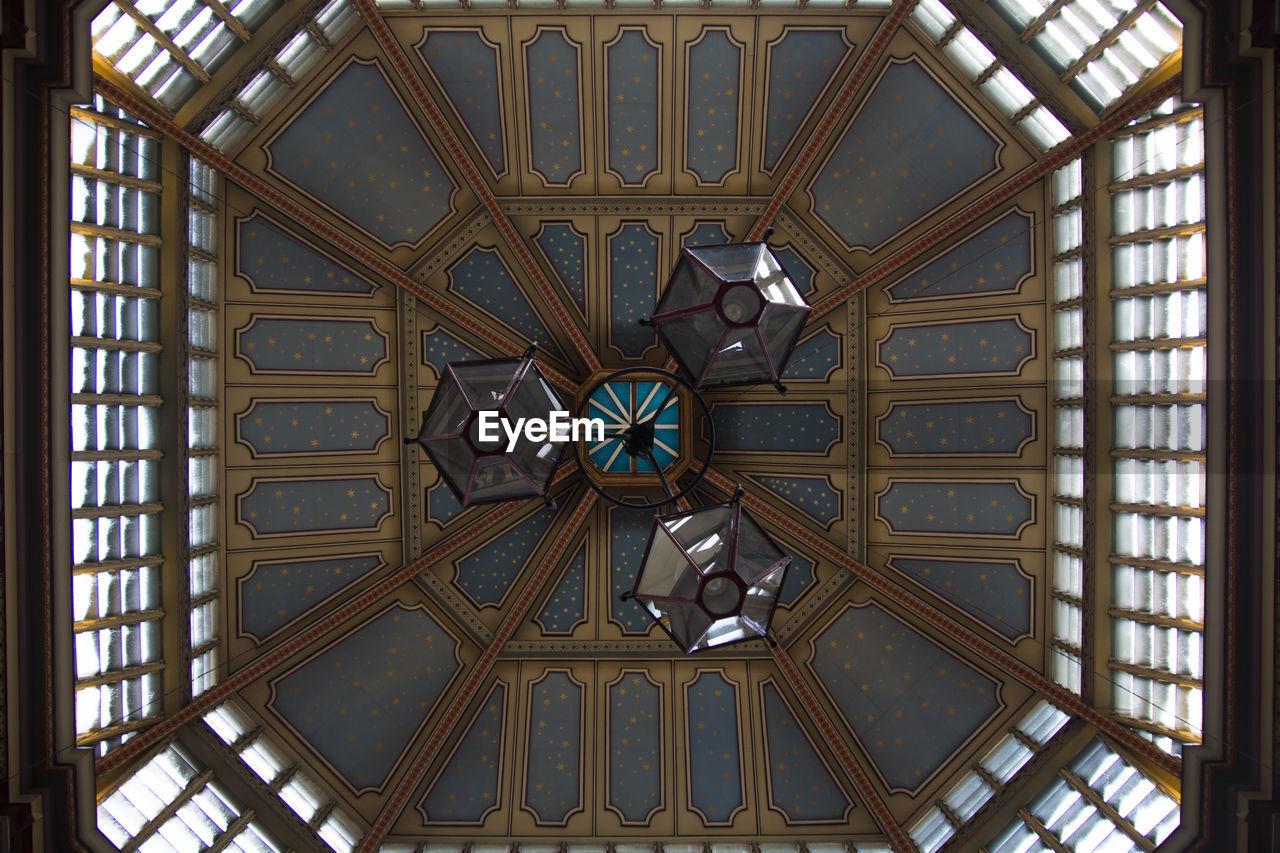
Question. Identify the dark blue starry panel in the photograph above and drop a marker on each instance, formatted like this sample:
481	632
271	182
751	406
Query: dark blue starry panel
993	592
711	127
307	426
797	268
910	702
799	578
359	702
811	495
442	504
633	64
566	248
802	428
275	592
976	427
800	785
440	348
635	743
553	775
311	345
715	762
292	507
465	64
939	349
567	606
814	357
706	234
274	260
484	280
998	508
555	119
629	531
994	260
467	790
633	287
800	64
911	147
355	149
486	575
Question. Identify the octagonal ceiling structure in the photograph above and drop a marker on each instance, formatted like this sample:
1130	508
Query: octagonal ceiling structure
443	185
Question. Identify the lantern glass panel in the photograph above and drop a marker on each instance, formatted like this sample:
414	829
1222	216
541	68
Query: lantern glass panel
690	286
756	553
667	572
448	413
780	326
497	479
485	382
738	358
704	536
774	283
727	630
693	339
685	620
532	397
731	261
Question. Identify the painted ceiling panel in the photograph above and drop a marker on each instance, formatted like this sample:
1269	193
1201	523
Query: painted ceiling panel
800	783
442	504
815	356
994	592
800	271
715	755
355	149
798	428
977	427
634	63
814	496
986	508
910	148
440	348
910	702
482	278
292	507
275	592
799	578
628	535
567	606
468	788
635	770
999	346
359	701
486	575
465	64
800	63
303	426
566	248
273	259
555	103
633	286
706	234
997	259
305	344
711	125
553	765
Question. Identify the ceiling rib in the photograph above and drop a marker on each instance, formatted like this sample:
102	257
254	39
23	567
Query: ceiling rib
1065	700
155	118
476	675
392	48
1053	159
818	139
308	637
898	838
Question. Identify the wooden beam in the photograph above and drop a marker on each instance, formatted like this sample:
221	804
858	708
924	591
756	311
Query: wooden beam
898	838
308	637
476	675
305	217
475	180
149	27
1067	701
1054	159
858	75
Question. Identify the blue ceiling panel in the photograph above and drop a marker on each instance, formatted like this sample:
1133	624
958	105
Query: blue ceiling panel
715	759
994	260
939	508
553	769
711	127
275	592
800	784
994	592
635	748
800	64
633	65
971	427
465	64
467	790
555	120
275	260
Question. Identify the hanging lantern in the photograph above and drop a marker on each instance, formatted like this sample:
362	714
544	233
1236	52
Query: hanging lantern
478	467
711	576
730	315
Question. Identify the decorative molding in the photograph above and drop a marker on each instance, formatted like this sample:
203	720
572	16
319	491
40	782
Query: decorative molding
463	236
631	208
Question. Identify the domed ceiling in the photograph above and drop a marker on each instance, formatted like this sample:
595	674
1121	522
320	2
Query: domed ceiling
448	186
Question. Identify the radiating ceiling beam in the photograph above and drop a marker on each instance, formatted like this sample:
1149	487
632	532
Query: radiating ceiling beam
305	217
1054	159
1069	702
475	180
476	675
870	57
308	637
898	838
